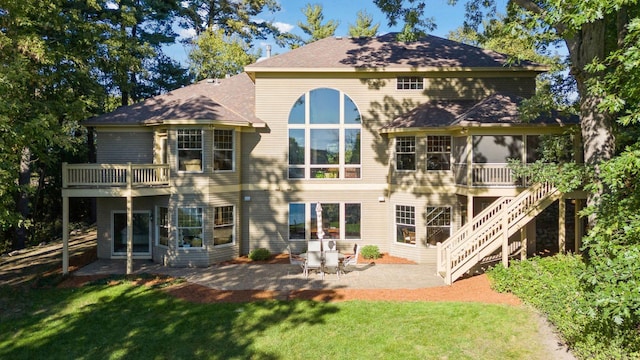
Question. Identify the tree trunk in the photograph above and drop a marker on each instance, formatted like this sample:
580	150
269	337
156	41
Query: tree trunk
597	125
24	178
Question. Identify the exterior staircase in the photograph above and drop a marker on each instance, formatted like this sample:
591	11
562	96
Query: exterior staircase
490	230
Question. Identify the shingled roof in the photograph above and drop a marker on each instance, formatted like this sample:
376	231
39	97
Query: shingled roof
229	101
430	52
494	109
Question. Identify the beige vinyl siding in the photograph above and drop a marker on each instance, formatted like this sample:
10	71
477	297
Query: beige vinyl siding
120	147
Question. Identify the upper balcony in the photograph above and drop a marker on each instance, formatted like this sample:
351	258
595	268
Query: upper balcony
115	179
486	175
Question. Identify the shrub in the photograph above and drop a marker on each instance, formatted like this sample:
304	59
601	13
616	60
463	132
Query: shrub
370	252
259	254
552	285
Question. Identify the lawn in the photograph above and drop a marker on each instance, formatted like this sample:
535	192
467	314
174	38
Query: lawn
127	321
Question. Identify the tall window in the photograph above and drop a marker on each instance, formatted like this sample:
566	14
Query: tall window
189	227
339	220
297	221
406	153
223	225
163	226
438	152
409	83
324	136
438	224
405	224
190	150
222	150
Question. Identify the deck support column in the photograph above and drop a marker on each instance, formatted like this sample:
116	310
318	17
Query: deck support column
562	225
129	222
523	242
65	235
578	228
505	242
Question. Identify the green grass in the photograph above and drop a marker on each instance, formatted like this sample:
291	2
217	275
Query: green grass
125	321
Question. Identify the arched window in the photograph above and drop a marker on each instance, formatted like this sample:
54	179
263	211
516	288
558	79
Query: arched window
324	136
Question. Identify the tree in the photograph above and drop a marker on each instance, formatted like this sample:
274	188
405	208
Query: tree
136	31
364	26
216	55
314	26
235	17
46	66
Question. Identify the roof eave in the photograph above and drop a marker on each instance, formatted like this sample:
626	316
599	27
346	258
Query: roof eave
251	71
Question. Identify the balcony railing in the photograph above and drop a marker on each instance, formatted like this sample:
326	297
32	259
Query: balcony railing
486	175
114	175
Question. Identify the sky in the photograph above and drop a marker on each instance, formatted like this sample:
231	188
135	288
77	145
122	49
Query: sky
446	17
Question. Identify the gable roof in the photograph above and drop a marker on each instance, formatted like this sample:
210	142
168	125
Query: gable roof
229	101
428	53
494	109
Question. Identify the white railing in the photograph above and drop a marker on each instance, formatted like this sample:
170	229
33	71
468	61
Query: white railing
497	174
114	175
484	234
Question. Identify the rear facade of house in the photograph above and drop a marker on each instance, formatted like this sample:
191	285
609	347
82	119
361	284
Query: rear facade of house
404	145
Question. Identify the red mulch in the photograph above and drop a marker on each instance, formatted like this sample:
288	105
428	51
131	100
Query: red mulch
473	289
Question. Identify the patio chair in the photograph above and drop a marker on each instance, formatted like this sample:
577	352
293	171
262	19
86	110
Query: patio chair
314	245
350	260
330	245
331	261
295	259
314	262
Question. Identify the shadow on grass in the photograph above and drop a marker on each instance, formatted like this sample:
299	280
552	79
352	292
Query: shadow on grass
114	318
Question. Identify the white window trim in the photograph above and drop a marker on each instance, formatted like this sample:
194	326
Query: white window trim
419	81
202	147
342	220
233	151
178	227
341	127
396	224
427	226
157	223
233	227
117	254
450	152
415	153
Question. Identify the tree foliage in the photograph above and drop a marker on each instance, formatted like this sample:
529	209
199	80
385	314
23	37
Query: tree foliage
364	26
314	26
216	55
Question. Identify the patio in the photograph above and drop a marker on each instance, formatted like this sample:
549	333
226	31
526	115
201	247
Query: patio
281	277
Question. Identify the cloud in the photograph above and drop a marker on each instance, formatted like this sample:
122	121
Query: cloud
186	33
283	27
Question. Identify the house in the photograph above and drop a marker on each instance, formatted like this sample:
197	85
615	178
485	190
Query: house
404	145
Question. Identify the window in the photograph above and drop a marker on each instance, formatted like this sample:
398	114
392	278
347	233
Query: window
222	150
409	83
189	227
352	221
438	224
223	225
163	226
438	152
324	136
190	150
297	216
339	220
406	153
405	224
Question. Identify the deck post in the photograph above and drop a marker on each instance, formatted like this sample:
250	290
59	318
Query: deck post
505	241
129	221
523	242
562	227
578	228
65	235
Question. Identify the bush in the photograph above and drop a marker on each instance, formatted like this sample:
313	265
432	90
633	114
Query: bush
370	252
259	254
552	285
